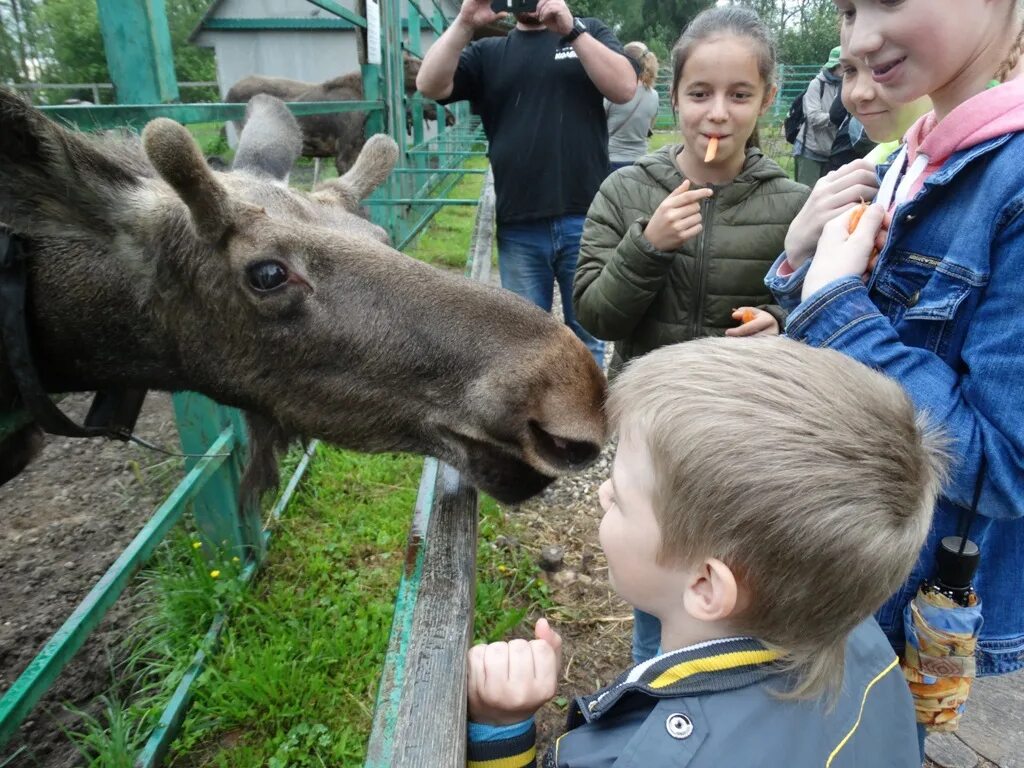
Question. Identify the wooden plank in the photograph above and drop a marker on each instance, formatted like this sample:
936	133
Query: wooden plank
420	717
421	705
432	717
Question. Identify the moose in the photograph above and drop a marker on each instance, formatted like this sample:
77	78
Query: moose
148	269
340	135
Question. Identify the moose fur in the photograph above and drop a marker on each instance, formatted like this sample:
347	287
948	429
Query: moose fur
148	269
340	135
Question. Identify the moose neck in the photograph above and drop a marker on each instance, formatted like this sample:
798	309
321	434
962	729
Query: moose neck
90	320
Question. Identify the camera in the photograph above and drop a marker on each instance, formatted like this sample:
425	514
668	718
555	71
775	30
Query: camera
514	6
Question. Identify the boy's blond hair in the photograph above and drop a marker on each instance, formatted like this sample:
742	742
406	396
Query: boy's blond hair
807	473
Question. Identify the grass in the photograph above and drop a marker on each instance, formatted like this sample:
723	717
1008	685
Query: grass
297	676
445	242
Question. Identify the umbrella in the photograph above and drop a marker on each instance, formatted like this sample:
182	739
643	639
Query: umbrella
941	625
939	658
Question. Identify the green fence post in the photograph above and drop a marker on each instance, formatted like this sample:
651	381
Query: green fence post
216	508
138	46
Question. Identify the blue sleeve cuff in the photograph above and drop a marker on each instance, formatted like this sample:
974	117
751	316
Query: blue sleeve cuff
786	289
483	732
824	318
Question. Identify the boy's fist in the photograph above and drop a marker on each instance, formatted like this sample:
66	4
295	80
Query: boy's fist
509	682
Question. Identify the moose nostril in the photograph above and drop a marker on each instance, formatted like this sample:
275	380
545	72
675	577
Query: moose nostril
561	451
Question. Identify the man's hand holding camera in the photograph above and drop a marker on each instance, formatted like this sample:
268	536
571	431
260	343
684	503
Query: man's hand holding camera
478	13
555	15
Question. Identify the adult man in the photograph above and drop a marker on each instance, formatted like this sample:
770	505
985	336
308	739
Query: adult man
814	142
539	92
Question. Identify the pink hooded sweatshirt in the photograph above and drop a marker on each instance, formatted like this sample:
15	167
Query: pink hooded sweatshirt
992	113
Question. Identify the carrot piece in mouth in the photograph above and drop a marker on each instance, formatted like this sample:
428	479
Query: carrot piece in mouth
712	149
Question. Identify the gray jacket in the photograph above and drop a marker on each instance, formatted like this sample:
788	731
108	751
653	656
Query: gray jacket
673	711
629	124
818	132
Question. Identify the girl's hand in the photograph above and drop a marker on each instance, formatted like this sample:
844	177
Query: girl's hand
841	254
677	218
837	192
509	682
762	323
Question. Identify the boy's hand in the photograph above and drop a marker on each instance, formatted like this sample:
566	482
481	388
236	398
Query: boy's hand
761	323
677	218
841	254
835	193
509	682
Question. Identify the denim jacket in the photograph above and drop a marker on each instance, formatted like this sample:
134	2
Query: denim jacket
943	313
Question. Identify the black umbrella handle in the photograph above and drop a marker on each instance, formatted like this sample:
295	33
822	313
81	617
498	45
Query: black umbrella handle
968	521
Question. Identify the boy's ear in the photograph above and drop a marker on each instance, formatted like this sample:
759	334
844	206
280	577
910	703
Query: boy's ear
712	593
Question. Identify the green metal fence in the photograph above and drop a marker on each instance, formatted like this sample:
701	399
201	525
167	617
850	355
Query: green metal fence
139	59
791	79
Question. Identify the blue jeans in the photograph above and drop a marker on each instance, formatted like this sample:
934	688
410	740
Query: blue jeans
533	255
646	636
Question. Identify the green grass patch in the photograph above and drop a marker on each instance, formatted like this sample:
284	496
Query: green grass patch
445	242
295	681
212	139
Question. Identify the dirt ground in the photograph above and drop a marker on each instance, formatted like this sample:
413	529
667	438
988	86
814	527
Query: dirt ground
62	523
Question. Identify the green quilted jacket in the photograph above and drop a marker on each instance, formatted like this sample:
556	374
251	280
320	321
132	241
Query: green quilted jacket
641	298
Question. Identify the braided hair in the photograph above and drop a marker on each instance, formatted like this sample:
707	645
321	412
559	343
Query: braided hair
1012	58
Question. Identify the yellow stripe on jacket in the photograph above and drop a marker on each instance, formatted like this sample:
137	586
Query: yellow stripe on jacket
686	669
522	760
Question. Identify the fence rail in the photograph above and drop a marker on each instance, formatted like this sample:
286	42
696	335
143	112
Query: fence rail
420	715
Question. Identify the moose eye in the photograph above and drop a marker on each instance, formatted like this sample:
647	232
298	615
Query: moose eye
267	275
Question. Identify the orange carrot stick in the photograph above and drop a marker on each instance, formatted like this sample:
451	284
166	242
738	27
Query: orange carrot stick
712	149
855	217
748	315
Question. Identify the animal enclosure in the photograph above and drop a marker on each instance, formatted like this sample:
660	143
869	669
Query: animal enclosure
215	436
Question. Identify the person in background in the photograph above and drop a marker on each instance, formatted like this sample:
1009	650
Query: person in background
539	92
884	121
630	125
814	142
676	246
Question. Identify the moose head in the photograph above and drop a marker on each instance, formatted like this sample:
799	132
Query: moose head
148	269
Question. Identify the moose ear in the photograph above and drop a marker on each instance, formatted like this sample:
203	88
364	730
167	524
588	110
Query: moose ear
374	164
176	157
54	181
271	141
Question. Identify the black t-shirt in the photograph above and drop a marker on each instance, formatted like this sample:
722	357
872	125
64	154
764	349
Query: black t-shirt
544	119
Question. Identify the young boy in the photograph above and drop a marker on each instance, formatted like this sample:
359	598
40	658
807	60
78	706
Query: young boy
766	498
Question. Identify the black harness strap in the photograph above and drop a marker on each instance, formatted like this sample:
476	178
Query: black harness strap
112	415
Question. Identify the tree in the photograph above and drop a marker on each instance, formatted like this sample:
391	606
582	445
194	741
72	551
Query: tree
665	20
806	30
72	44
